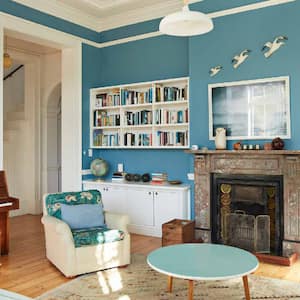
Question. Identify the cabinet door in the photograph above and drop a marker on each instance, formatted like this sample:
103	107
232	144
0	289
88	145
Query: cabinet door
167	206
140	207
113	197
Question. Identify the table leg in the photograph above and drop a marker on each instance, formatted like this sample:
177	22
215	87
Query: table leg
246	287
170	284
191	289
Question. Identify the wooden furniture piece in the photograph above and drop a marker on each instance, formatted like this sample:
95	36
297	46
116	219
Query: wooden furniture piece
151	114
148	206
7	203
178	231
203	262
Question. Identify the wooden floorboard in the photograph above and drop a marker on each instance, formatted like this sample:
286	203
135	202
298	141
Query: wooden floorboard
27	271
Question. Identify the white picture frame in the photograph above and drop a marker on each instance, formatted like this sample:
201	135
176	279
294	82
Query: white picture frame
251	109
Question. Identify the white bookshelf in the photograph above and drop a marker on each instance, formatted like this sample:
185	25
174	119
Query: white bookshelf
141	115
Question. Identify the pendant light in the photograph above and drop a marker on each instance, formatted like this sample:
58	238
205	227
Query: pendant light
186	22
7	61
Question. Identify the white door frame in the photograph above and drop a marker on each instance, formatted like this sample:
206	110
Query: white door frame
71	97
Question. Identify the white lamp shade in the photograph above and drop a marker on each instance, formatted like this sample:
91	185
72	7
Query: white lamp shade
186	23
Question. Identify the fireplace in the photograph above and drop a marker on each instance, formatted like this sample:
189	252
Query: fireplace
268	179
247	212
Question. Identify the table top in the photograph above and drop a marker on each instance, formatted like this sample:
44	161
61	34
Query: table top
202	261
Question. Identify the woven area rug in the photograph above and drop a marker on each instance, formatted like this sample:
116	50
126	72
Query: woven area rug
138	281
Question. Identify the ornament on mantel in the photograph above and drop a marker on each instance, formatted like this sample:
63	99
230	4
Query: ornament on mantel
215	70
273	46
240	58
220	139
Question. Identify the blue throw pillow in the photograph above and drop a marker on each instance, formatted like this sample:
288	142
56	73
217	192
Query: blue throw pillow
82	215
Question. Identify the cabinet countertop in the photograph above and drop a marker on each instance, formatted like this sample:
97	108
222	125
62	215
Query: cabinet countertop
140	184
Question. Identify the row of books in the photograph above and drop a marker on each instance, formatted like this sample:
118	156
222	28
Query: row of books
159	177
137	139
136	97
170	94
118	177
171	138
166	116
105	99
143	117
101	139
103	118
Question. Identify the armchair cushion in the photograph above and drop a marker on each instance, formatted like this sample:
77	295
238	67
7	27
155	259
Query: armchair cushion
82	215
53	201
95	236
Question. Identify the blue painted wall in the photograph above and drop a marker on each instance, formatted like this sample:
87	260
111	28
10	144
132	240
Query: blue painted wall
91	67
166	57
232	34
145	60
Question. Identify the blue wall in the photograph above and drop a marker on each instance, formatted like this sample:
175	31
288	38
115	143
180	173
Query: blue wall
167	57
145	60
232	34
91	67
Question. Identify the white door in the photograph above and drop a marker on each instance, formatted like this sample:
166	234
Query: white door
140	207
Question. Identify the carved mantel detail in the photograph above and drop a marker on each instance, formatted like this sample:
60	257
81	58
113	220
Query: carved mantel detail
283	162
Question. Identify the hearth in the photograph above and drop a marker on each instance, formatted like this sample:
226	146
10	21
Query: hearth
247	212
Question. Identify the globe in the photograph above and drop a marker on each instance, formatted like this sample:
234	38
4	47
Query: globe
99	167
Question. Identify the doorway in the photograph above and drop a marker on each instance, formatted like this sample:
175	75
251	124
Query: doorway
70	111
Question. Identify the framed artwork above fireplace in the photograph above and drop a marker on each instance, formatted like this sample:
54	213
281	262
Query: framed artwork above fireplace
252	109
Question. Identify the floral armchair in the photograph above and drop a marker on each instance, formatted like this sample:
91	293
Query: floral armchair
82	250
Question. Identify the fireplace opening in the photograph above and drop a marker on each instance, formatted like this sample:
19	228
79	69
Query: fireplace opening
247	212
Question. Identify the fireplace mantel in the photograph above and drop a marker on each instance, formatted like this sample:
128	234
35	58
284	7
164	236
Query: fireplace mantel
249	162
247	152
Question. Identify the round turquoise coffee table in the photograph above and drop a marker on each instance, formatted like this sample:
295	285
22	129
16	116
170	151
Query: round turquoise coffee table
203	262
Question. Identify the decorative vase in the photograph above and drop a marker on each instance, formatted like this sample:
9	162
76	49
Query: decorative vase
220	139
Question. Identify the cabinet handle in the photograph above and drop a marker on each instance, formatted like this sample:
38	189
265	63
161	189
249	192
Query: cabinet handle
156	193
149	193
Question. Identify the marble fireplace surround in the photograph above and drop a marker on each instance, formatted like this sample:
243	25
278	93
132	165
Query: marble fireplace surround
249	162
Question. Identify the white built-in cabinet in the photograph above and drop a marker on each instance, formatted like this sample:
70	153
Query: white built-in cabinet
146	115
148	206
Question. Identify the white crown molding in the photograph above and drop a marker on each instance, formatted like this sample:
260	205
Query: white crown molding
132	16
62	11
141	14
267	3
249	7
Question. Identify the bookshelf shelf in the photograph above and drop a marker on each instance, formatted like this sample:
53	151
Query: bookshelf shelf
172	125
147	115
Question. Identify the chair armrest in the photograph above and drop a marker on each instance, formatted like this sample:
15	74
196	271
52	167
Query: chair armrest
57	226
116	221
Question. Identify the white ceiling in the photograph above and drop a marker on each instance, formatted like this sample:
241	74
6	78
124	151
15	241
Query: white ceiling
102	15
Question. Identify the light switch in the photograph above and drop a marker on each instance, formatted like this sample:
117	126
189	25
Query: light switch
191	176
90	152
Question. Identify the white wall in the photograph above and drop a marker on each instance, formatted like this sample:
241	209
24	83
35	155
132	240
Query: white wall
51	82
23	150
13	89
